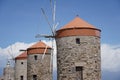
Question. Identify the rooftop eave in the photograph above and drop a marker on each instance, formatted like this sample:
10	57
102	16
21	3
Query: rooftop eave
78	28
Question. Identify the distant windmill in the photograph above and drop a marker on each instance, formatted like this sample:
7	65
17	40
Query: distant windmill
52	26
12	57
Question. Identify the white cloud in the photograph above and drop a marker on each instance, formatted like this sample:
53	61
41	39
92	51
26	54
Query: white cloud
13	50
110	54
110	57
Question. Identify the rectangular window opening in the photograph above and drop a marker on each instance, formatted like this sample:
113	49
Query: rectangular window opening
21	77
34	77
77	40
79	72
35	57
79	68
21	62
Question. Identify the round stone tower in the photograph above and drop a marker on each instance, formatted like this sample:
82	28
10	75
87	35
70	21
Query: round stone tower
78	51
38	62
8	72
21	66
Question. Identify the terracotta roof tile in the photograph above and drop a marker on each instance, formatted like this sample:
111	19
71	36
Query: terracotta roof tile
39	44
22	56
78	23
39	48
78	27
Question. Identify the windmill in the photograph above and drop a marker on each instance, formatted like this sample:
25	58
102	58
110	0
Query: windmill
10	67
12	59
52	27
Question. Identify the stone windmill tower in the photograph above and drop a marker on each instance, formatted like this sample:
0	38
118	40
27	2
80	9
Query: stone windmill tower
21	66
78	51
8	72
38	62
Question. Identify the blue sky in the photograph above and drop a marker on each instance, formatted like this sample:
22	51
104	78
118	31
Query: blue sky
21	20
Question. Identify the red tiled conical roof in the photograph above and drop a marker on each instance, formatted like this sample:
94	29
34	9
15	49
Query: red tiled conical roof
38	48
39	44
78	27
22	56
78	23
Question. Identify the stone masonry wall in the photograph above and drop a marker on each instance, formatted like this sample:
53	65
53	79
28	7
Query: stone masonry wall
21	69
1	77
71	55
39	67
8	73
